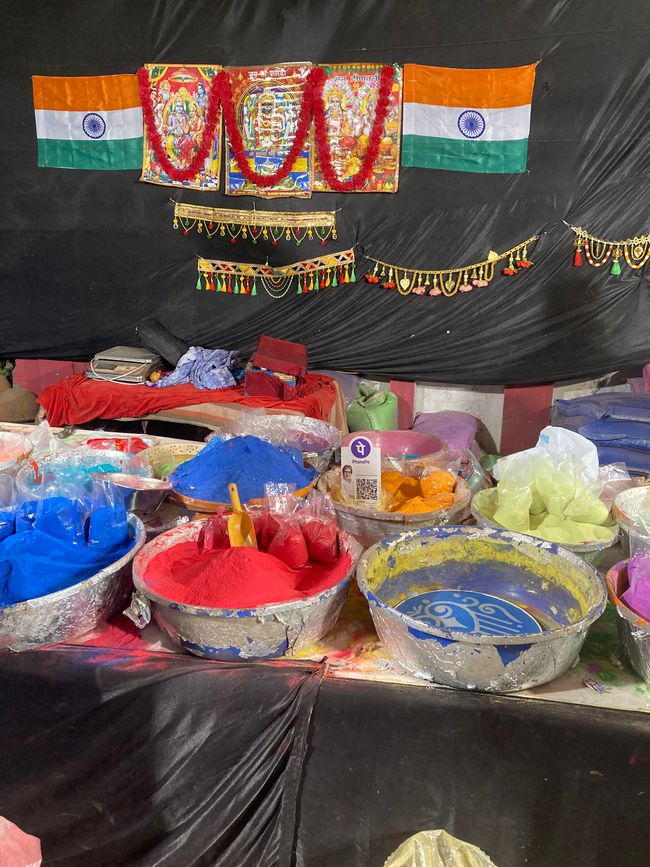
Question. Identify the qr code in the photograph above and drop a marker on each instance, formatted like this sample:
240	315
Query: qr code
367	489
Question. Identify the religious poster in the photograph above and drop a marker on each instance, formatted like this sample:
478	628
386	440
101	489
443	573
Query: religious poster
350	95
266	102
179	101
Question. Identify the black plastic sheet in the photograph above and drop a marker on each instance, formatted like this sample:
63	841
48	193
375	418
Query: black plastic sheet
86	255
153	760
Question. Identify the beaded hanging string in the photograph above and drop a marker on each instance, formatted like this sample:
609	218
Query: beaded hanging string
273	226
598	251
449	281
244	278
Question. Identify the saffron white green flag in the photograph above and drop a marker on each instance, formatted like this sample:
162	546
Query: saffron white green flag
467	120
88	122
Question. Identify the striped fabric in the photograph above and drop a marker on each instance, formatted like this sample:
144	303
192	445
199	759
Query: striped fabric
88	122
467	120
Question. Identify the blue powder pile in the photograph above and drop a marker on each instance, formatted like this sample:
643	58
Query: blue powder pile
55	543
249	462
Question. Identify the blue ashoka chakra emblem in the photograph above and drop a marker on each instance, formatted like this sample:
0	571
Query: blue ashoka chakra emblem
471	123
93	125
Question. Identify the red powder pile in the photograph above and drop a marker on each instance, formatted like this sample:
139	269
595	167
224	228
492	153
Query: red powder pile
236	577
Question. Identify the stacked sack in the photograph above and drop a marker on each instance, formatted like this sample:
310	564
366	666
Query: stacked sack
617	423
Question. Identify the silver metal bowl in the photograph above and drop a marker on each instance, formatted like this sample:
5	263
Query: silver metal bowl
484	504
565	594
633	630
144	496
64	615
251	633
369	526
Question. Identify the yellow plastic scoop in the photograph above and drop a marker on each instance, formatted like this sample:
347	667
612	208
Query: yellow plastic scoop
241	531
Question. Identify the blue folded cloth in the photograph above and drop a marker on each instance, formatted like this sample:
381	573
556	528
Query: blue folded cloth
615	433
628	406
637	463
204	368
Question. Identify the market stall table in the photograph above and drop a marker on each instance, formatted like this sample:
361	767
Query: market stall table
332	757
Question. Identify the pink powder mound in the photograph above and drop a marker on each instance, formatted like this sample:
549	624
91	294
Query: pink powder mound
236	577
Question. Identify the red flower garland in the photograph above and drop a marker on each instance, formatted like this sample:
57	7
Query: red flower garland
207	137
315	76
320	126
220	96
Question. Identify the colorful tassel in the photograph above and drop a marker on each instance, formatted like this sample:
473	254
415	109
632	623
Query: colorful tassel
577	258
254	292
616	268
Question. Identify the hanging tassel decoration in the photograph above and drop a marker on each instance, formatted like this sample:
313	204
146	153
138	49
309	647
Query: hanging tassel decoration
198	282
616	265
254	292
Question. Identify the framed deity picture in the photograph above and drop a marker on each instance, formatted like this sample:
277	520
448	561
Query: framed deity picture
266	102
179	97
350	95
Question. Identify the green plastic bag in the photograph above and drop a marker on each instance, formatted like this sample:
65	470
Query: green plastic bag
373	410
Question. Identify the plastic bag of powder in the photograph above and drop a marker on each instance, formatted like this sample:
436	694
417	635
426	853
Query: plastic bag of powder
281	535
320	529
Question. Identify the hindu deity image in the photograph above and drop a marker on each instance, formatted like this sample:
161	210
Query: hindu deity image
179	98
350	97
267	107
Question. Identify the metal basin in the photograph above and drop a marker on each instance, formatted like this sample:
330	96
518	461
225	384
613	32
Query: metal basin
631	510
562	592
226	634
369	526
484	505
62	616
633	630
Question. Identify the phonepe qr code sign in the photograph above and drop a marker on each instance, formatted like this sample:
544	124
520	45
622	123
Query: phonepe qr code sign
361	470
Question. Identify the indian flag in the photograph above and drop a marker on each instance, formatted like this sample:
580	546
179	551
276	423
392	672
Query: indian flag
88	122
467	120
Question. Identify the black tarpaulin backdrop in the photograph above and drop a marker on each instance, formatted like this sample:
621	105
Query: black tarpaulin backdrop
88	254
153	760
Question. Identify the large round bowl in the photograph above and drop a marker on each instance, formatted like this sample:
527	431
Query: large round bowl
484	504
369	526
631	511
66	614
633	630
564	594
229	634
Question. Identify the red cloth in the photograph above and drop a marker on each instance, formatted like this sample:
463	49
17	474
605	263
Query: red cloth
77	400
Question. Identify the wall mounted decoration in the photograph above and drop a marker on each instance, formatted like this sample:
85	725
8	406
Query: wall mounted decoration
449	281
350	95
182	146
599	252
255	226
242	278
88	122
265	104
467	120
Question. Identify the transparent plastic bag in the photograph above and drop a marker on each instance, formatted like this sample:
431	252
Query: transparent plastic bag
281	533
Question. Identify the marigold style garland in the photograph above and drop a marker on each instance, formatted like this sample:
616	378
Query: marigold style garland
207	136
241	278
598	251
253	225
449	281
220	96
370	157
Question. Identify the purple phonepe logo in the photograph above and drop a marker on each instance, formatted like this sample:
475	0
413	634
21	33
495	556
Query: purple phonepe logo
360	447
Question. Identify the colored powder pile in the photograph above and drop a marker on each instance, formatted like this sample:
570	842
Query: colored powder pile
53	544
637	596
249	462
553	505
408	495
236	577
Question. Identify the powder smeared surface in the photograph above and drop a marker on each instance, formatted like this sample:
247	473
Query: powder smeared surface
236	577
249	462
